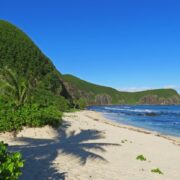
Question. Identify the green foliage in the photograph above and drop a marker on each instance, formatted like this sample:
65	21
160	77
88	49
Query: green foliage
141	158
29	115
90	89
18	52
157	170
10	164
80	103
46	98
27	65
36	116
31	89
13	88
20	107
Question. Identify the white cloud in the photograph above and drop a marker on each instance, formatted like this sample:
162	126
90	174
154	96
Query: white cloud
136	89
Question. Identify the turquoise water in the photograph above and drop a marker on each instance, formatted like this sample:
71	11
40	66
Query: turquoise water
162	119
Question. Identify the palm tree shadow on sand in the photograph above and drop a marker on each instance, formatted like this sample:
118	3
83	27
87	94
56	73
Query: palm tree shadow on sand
40	153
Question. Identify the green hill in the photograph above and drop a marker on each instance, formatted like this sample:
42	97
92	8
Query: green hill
20	54
96	94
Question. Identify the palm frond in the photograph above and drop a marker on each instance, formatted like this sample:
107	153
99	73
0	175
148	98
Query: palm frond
12	87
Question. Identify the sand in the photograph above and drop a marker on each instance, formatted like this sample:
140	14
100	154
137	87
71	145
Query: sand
88	146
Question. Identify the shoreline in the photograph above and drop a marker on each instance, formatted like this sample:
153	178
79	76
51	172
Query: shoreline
99	117
89	146
173	139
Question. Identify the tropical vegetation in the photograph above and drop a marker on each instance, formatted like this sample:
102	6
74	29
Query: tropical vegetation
34	93
10	163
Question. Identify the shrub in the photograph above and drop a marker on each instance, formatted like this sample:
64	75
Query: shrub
10	164
37	116
80	103
10	119
46	98
29	115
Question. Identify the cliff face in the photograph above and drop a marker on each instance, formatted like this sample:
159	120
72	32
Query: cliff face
154	99
94	94
103	99
91	98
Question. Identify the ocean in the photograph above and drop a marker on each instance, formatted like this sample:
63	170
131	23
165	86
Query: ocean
162	119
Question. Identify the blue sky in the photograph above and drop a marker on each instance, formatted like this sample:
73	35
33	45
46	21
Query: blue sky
126	44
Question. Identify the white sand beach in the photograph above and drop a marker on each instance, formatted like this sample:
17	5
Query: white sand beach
88	146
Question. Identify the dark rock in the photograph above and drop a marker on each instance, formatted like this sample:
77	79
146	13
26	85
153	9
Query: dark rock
151	114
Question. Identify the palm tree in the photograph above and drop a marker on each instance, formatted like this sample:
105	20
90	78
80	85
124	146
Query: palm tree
13	88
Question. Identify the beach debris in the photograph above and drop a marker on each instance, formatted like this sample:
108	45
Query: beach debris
124	141
142	170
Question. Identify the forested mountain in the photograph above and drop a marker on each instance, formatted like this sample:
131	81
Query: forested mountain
100	95
19	53
25	59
